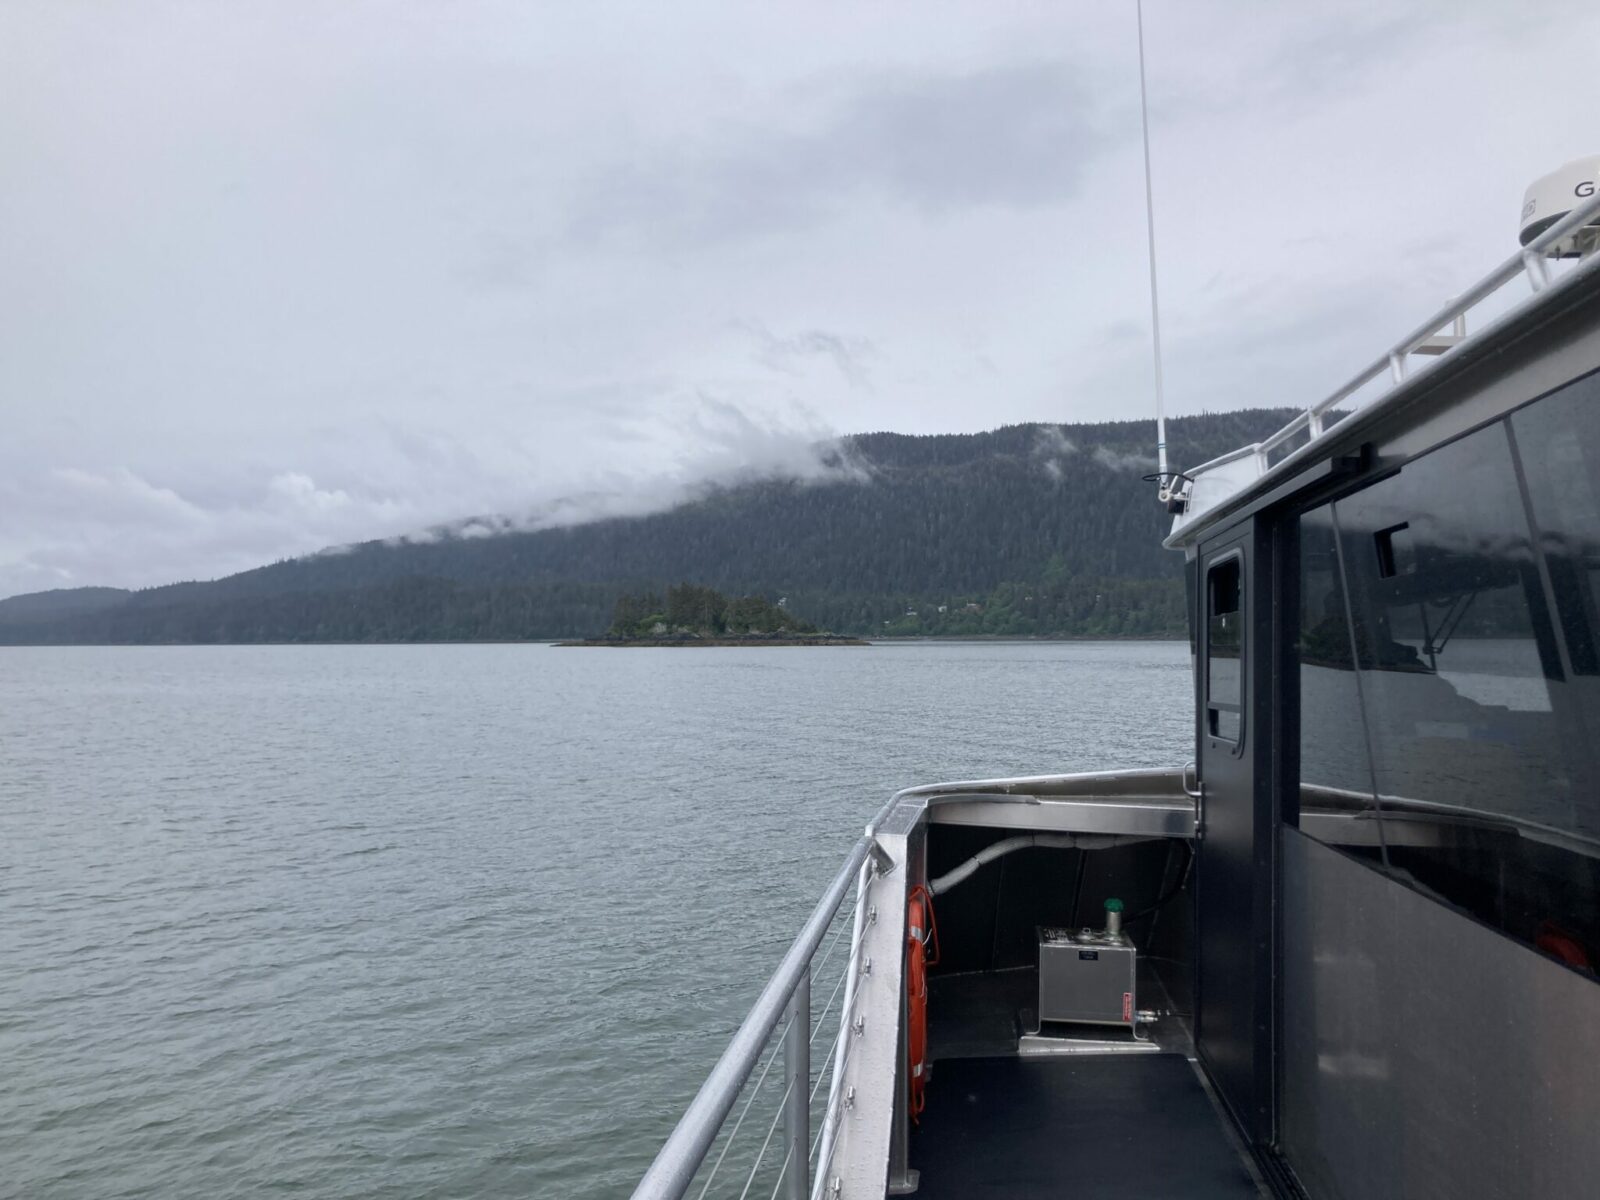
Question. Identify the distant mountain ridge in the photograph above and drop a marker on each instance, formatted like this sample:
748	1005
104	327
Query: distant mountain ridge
1031	529
48	606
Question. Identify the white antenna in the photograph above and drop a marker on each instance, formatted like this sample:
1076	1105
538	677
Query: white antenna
1163	480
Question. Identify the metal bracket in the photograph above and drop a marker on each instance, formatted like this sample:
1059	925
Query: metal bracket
904	1185
1538	269
882	863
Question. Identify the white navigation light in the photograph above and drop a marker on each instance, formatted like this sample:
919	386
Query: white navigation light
1553	197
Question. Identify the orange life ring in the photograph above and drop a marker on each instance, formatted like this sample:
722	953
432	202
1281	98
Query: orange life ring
1556	941
922	951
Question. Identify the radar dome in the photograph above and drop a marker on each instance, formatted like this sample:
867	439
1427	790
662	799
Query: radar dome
1553	197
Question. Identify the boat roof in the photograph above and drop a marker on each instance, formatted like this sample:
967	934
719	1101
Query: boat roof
1234	481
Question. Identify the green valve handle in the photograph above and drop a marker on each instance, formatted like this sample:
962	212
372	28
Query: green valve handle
1114	917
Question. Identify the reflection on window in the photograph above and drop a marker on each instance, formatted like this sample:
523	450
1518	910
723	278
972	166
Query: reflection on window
1224	649
1448	623
1333	748
1558	443
1451	632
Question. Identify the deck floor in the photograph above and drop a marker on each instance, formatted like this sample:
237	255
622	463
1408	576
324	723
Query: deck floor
1088	1127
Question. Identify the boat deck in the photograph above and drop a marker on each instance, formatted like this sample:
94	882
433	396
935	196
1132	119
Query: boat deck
1084	1126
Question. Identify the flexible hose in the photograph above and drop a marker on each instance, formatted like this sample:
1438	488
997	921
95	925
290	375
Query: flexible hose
1053	841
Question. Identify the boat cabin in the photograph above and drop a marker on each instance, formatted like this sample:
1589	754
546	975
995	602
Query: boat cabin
1397	886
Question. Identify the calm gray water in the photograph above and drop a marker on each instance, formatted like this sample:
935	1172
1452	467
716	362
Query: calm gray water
352	921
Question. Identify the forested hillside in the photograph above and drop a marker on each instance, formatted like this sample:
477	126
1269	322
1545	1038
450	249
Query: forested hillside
1029	529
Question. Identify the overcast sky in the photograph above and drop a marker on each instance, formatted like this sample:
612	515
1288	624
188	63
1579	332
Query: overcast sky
275	276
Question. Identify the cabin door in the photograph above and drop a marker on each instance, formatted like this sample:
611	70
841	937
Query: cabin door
1233	861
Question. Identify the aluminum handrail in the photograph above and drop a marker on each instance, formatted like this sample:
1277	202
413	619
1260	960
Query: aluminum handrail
685	1149
1530	260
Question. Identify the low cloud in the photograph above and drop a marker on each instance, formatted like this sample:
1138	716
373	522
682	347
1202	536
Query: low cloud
72	526
1051	450
1117	461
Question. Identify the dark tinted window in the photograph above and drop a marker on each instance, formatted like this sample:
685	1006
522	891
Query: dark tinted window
1224	651
1558	444
1452	634
1450	713
1333	747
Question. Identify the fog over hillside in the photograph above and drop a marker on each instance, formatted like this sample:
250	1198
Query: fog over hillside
1028	529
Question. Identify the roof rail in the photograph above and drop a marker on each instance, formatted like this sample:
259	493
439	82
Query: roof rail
1214	482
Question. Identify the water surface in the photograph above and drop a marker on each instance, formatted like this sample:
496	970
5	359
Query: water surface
398	921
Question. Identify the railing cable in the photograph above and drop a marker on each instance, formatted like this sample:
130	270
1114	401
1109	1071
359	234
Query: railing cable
827	953
827	1008
755	1090
839	1053
817	1024
777	1183
755	1167
826	1072
672	1171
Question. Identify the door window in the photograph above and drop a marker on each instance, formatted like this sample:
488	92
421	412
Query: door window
1225	652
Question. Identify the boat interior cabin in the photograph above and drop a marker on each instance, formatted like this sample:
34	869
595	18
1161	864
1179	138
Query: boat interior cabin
1350	951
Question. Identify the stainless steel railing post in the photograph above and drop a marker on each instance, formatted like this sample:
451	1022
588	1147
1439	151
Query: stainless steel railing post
797	1109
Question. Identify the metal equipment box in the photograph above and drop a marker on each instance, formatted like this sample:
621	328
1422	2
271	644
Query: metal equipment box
1086	976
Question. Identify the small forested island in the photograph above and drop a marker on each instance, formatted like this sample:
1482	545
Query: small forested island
702	616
